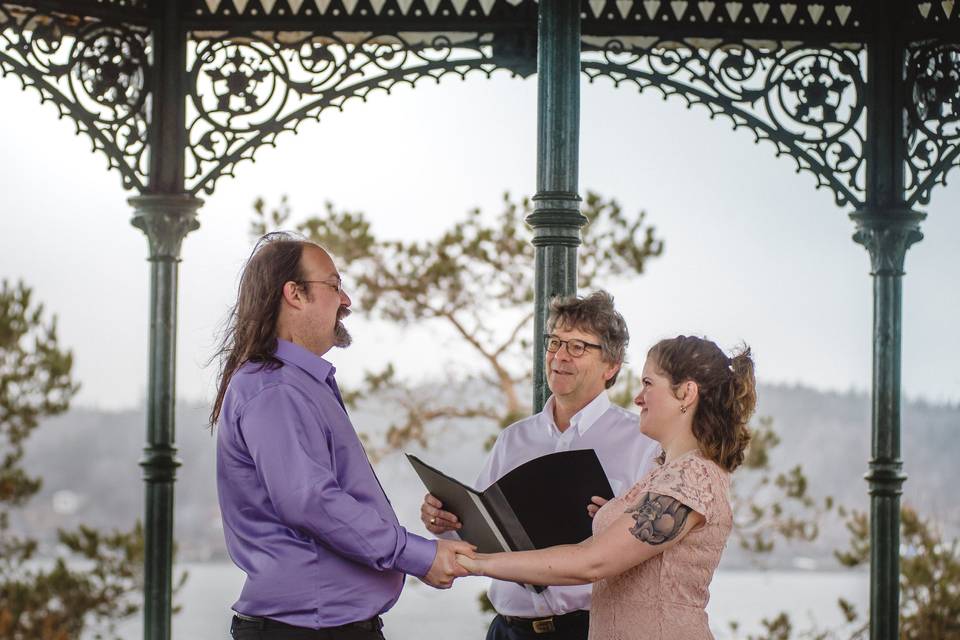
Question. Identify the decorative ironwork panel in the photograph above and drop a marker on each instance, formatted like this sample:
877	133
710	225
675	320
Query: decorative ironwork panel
245	91
935	12
808	102
933	117
95	74
811	15
357	8
644	17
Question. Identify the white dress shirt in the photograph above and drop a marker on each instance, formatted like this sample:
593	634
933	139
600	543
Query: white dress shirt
625	453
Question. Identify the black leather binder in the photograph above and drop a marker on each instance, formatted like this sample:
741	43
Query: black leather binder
539	504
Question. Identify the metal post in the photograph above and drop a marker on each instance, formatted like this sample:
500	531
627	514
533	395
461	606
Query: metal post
165	220
166	215
887	228
887	238
556	218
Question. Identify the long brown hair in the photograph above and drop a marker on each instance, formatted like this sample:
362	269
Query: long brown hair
250	331
727	392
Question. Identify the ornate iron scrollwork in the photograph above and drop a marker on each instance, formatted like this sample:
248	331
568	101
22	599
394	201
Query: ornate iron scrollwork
933	117
808	102
246	90
94	72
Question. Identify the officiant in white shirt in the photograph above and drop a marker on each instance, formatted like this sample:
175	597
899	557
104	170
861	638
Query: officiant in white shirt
585	345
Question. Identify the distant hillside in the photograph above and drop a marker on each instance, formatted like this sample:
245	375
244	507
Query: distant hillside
89	463
829	433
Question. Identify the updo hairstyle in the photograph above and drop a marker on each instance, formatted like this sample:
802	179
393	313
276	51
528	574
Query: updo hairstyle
727	393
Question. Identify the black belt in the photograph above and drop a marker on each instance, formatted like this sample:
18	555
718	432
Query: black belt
549	624
373	624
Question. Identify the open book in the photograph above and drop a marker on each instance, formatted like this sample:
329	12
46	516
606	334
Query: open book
539	504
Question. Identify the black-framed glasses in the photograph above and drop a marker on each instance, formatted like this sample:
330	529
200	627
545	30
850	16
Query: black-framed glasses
575	347
336	285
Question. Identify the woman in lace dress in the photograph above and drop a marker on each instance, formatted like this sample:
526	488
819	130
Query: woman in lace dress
654	549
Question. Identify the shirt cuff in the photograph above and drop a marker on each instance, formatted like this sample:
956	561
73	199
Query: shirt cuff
417	556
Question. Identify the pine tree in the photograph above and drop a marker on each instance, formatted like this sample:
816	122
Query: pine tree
95	575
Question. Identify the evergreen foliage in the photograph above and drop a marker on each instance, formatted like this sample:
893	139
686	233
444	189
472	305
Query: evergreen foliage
96	575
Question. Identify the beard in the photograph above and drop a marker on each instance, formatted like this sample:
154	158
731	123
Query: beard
341	337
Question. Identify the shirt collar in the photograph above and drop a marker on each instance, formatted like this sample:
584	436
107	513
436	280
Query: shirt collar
582	420
310	362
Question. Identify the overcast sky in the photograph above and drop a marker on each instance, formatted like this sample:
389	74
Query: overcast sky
753	251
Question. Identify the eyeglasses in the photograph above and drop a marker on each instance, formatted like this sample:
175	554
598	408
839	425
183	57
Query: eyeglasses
574	347
336	285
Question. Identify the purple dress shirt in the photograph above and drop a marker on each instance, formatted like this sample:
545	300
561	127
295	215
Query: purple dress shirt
304	515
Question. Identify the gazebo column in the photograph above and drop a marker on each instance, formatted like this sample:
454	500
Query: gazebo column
166	214
556	219
166	220
886	227
887	237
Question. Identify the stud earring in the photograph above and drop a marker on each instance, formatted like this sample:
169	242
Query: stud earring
683	409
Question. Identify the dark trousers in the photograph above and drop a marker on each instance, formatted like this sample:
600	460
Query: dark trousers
264	629
573	626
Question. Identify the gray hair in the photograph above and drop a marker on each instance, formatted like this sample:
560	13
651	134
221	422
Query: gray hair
594	313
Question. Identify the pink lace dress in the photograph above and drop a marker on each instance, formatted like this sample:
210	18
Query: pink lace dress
665	598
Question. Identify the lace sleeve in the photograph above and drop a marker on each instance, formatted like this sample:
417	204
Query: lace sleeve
690	481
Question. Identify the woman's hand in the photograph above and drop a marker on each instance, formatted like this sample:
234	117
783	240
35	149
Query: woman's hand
595	503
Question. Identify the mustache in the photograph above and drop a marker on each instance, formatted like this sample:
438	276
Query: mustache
343	312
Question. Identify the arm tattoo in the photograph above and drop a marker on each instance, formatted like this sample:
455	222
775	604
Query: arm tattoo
658	518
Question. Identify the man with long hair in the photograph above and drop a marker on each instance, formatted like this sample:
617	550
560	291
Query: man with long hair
304	515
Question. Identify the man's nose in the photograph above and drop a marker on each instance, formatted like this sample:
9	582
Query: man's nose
345	299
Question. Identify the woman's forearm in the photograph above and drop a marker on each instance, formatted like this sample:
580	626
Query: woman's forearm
611	552
562	565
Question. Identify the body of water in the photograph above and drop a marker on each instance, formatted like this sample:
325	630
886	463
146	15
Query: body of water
422	612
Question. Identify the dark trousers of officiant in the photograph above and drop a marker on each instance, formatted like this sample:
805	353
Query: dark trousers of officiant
571	626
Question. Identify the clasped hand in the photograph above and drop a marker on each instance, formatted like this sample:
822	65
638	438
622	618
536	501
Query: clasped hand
445	568
472	564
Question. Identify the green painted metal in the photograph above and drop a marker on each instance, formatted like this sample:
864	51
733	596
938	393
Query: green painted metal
165	220
556	219
168	126
887	236
886	227
166	215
